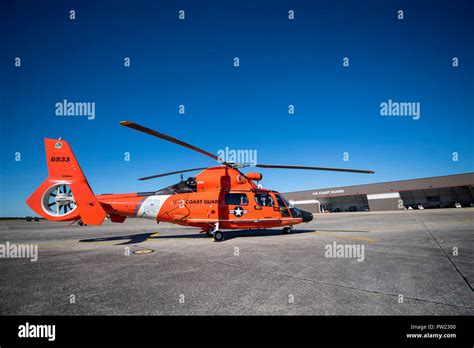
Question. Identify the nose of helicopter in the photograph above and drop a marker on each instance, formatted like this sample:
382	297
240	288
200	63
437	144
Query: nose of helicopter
306	215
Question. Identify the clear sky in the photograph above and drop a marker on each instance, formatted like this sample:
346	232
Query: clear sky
190	62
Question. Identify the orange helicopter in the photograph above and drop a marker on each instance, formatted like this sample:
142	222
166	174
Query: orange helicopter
219	197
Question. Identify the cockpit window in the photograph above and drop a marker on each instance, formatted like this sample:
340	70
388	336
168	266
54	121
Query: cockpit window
281	201
264	199
236	199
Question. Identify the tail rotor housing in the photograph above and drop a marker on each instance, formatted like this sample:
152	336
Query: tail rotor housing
65	195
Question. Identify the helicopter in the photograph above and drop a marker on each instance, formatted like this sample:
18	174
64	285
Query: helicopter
220	197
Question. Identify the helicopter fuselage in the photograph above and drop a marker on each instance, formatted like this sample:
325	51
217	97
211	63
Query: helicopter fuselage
220	195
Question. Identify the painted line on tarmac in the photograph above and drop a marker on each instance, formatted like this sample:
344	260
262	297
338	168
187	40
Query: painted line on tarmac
345	237
150	238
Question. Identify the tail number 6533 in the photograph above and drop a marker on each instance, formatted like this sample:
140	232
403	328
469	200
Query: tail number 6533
60	159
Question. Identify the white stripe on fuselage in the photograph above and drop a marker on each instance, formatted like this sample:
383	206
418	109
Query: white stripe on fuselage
151	206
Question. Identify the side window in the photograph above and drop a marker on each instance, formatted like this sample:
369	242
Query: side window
264	199
236	199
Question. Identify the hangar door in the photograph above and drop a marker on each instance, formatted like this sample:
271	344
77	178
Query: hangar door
438	197
344	203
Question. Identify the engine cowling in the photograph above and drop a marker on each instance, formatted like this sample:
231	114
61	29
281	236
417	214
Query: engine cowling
254	176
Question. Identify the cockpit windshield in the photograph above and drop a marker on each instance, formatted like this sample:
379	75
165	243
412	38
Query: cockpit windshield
281	201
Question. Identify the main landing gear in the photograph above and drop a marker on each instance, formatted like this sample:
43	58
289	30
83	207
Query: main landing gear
217	235
287	230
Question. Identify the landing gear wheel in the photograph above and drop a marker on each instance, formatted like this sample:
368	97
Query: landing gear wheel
80	223
287	230
218	236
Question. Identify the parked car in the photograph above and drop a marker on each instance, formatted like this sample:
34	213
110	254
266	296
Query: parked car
420	207
457	205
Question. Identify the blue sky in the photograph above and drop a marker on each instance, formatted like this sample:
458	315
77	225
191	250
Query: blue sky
190	62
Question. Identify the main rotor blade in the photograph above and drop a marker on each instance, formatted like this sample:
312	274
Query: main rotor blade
166	137
315	168
170	173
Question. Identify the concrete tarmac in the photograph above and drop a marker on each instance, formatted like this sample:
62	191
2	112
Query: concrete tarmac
409	263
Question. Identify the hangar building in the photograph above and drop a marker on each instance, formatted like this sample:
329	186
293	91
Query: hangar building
426	193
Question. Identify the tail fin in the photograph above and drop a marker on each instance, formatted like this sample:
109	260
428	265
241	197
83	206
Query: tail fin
65	195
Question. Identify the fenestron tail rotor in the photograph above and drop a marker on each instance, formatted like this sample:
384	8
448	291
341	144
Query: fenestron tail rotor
152	132
58	200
